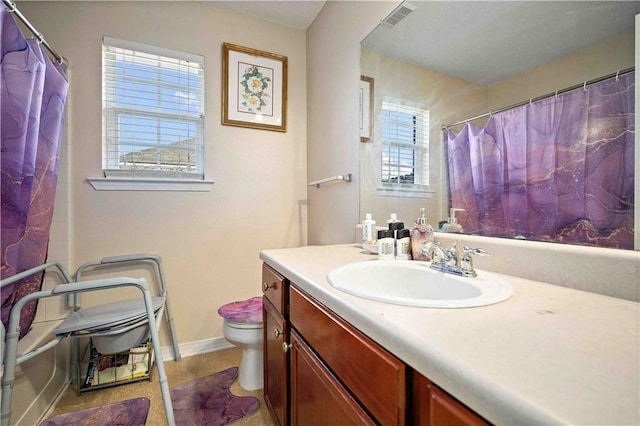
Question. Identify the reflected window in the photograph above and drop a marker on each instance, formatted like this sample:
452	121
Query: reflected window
405	144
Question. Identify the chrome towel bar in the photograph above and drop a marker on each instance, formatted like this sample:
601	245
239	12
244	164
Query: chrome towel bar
346	178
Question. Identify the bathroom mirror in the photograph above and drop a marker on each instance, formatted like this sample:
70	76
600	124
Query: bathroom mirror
437	63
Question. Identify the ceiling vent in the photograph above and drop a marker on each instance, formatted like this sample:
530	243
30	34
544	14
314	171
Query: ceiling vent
398	14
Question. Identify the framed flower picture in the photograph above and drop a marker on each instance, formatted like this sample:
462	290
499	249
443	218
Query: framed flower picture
254	88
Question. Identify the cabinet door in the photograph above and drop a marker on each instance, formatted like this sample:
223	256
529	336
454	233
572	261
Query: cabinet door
434	407
276	375
374	376
446	410
317	398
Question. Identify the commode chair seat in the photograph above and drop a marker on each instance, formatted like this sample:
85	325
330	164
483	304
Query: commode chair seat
115	327
243	328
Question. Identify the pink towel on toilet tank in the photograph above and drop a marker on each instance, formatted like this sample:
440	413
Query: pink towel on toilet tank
246	311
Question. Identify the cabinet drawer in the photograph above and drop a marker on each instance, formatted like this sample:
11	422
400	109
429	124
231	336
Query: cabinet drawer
354	358
274	289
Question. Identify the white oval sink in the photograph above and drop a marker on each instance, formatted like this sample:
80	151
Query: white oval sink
412	283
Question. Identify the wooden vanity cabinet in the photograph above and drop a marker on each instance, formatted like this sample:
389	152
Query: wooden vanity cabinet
276	339
320	370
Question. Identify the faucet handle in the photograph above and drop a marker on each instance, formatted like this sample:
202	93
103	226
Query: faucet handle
476	251
466	262
429	247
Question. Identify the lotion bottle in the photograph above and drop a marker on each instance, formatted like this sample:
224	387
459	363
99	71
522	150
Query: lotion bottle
403	244
393	223
386	244
368	230
452	224
395	227
421	233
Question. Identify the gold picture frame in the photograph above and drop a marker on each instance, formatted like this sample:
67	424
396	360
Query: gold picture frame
254	88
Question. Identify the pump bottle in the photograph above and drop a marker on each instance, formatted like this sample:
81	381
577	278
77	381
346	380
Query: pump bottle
452	224
421	233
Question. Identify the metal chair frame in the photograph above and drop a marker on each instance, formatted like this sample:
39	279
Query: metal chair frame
73	288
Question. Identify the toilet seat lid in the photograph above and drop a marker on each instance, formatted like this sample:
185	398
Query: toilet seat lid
245	311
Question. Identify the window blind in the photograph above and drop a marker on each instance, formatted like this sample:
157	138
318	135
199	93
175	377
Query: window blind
153	111
405	143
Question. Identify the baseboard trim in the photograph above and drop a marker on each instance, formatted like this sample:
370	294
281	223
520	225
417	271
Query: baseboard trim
196	348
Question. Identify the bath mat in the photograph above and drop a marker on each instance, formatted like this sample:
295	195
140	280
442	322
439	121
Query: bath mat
207	401
132	412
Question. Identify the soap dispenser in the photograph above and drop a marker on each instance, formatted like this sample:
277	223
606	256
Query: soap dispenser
421	233
452	224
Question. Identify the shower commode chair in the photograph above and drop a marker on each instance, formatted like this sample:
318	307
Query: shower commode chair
113	327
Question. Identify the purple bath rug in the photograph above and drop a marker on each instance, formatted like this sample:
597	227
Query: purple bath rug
208	402
132	412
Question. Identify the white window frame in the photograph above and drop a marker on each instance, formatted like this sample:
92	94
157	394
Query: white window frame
417	144
188	123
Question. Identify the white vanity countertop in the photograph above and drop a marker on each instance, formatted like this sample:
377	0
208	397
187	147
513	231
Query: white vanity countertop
547	355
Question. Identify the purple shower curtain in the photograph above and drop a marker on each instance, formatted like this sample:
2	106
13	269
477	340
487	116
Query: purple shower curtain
561	169
33	92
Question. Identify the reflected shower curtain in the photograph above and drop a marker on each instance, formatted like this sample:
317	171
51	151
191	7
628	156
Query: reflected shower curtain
561	169
33	93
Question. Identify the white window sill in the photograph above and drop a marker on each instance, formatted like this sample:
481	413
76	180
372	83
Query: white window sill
393	191
149	184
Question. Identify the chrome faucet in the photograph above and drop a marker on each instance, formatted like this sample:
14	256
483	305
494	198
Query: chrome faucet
449	260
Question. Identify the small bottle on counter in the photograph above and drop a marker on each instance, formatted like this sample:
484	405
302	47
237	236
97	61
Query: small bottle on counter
403	244
386	246
395	227
368	230
392	218
394	224
421	233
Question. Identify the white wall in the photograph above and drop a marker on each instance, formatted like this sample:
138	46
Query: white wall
333	73
209	241
595	61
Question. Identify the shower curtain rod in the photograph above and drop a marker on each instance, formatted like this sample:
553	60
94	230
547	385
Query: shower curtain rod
11	7
539	98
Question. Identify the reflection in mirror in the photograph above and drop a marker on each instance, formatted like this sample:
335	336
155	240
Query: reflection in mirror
450	62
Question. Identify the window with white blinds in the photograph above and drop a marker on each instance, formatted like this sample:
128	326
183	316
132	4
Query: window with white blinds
152	111
405	144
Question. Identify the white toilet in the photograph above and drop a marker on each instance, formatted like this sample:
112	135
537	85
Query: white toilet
243	328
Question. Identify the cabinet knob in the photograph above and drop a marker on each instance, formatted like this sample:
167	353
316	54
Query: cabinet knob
266	286
286	346
277	333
